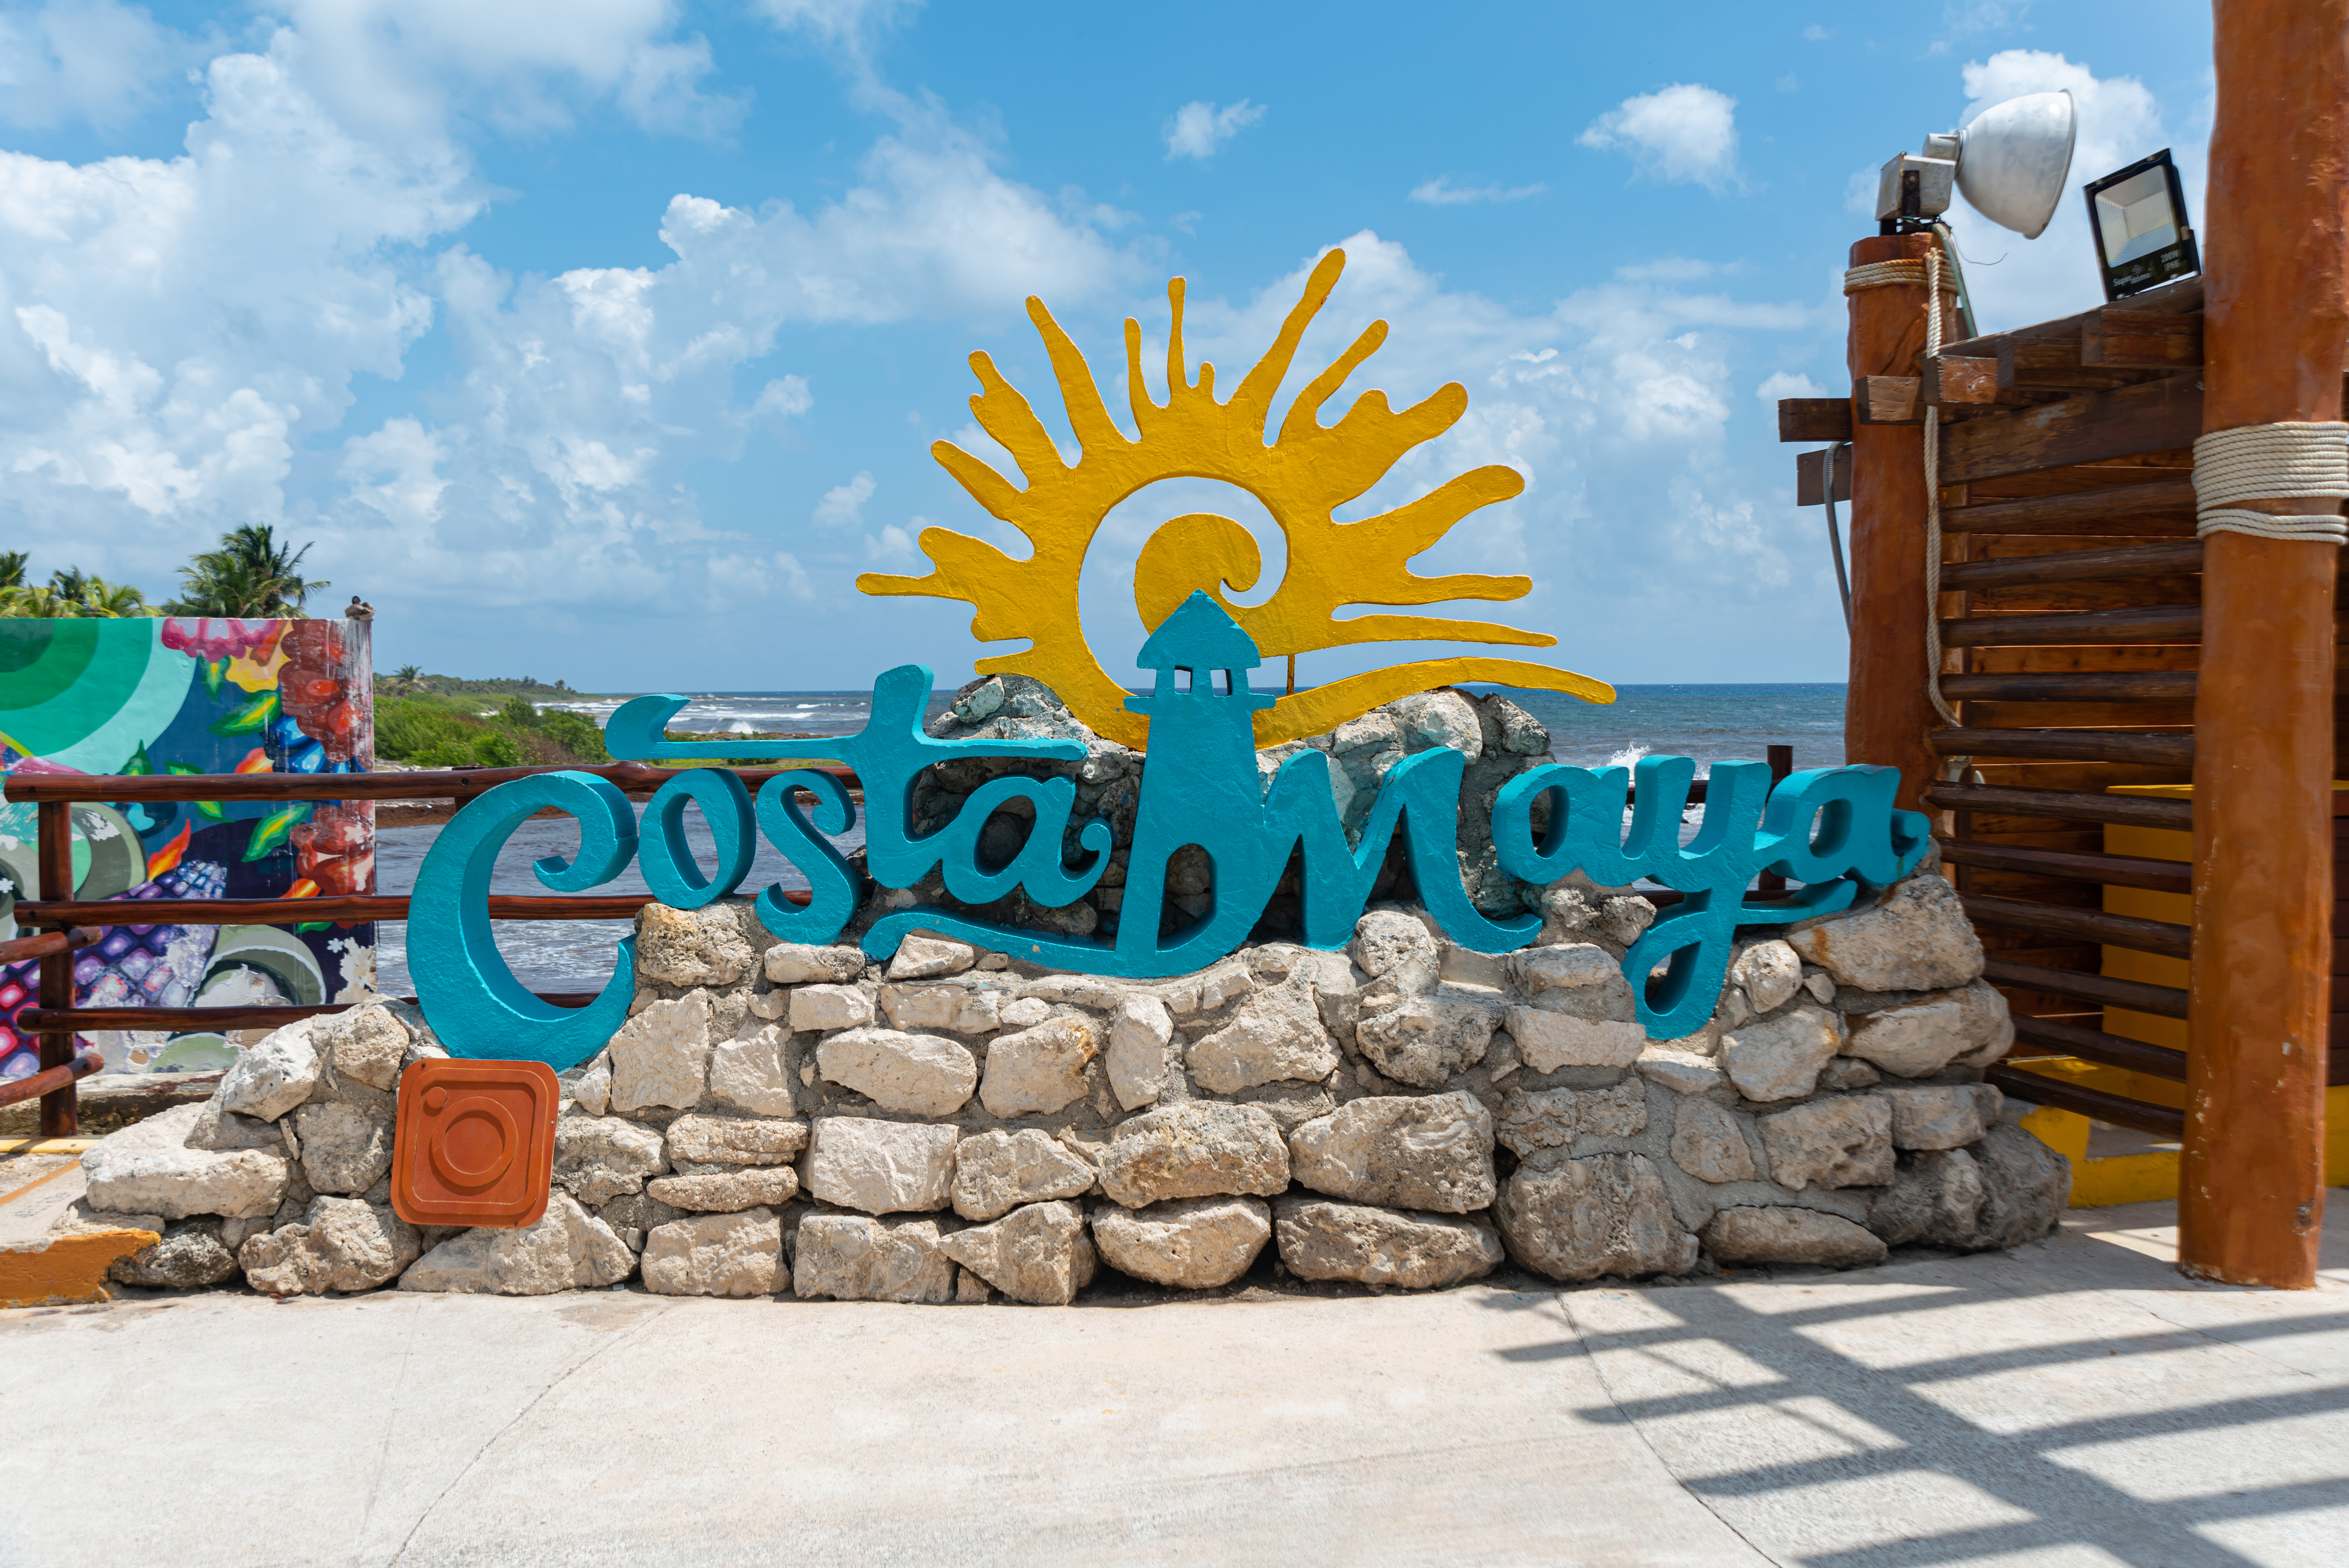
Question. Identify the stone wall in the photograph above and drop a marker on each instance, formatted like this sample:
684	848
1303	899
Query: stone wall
954	1127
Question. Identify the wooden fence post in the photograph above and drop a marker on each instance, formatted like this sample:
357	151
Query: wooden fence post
1886	713
61	1107
2251	1192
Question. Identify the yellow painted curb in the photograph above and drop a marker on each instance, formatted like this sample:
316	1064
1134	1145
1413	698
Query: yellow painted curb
66	1269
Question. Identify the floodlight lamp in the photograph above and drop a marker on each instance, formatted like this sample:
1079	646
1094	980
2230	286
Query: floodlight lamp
2140	217
2009	163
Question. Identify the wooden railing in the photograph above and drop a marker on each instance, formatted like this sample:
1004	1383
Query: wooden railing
71	922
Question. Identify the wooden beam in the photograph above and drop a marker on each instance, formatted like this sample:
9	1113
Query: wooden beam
1814	419
2075	866
2159	937
2121	1112
2095	1045
2074	686
1944	381
2141	340
1887	710
2042	366
1886	400
2168	557
2160	498
2066	805
2136	747
2251	1182
1810	470
2183	295
2154	416
2153	623
2136	995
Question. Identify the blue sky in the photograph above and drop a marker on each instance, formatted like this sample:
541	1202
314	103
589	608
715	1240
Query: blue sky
607	338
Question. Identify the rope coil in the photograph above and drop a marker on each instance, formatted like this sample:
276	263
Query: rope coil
1908	274
2271	463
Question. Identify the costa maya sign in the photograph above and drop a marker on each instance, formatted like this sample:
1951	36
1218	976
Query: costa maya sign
1833	831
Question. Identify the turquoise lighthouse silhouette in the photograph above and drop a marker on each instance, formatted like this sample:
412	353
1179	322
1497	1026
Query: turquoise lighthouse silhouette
1201	786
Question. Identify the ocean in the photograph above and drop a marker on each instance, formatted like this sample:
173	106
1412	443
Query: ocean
1711	723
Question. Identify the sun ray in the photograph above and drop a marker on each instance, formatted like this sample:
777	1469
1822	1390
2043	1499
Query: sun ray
1301	478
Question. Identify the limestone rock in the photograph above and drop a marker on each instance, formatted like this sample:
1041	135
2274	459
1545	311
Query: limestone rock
1191	1243
1023	1012
1038	1253
796	963
881	1168
1941	1115
367	1043
716	1255
1779	1058
661	1057
2028	1186
591	1091
1323	1239
340	1244
849	1258
1624	917
957	1009
79	1219
1708	1142
1845	1073
1276	1034
1937	1198
727	1189
996	1172
1923	1036
1138	1037
691	946
748	1072
1918	939
147	1168
190	1256
222	1131
1549	1040
1432	1151
599	1158
1385	938
1606	1214
344	1149
1845	1142
1427	1039
272	1077
736	1140
1196	1150
1532	1120
1746	1234
1209	988
634	1216
921	1075
1769	973
1439	719
1566	966
1040	1069
820	1008
1682	1072
1099	992
925	958
566	1249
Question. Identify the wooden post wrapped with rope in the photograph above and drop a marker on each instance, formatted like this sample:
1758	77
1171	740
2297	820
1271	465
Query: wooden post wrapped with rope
1890	710
2269	472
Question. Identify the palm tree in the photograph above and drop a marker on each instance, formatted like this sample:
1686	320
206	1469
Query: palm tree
40	604
12	569
251	576
405	678
114	600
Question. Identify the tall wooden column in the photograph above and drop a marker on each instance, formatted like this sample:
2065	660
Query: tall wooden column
1886	713
2251	1196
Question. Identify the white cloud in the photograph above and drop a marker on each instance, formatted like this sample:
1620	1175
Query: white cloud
843	505
1683	134
783	398
1816	34
1442	192
892	545
1787	384
1671	269
1199	127
92	60
2016	281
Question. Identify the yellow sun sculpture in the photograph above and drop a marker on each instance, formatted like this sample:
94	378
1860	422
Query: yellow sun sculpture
1302	477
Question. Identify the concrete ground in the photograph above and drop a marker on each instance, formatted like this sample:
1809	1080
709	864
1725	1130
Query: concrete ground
2077	1403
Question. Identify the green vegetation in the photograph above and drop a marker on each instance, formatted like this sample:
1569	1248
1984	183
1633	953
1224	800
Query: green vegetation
249	576
71	593
409	677
435	730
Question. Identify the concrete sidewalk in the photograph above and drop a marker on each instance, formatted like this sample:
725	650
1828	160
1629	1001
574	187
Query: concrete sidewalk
2077	1403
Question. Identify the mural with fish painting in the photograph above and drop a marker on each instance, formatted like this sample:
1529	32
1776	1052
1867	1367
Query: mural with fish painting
191	696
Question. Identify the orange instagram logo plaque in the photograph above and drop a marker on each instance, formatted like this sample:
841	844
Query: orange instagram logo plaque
474	1142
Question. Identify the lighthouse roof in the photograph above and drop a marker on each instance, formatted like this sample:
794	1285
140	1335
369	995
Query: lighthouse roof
1199	636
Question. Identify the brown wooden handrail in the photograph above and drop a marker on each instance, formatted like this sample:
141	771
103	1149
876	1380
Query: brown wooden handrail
19	949
50	1080
449	783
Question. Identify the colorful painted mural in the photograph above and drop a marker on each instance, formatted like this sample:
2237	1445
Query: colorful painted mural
191	696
